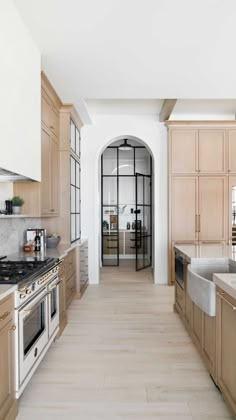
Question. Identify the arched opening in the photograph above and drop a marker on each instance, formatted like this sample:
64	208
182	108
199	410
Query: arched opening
126	205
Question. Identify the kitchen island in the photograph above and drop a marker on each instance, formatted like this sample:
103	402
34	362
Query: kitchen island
213	333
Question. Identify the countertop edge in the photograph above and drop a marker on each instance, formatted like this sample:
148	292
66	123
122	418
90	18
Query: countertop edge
220	282
9	288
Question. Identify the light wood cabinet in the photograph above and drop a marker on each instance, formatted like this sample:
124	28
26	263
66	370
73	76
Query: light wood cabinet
226	346
70	276
184	203
184	151
197	326
62	298
212	212
8	404
42	198
212	151
188	312
232	151
209	343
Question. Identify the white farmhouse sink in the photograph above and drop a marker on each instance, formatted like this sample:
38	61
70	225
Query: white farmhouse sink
200	286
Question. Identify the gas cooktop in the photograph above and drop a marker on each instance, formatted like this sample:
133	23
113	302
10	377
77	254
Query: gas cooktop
17	270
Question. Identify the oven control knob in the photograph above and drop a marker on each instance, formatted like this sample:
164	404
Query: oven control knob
28	291
22	296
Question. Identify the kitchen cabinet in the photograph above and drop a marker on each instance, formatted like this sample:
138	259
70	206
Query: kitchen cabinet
183	205
180	299
83	266
188	312
42	198
62	298
184	151
226	346
8	404
232	151
212	151
209	343
70	276
197	326
212	211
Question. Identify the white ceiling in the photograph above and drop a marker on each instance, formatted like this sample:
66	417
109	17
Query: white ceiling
135	49
123	106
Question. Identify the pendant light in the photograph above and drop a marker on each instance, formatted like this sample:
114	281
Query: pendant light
125	146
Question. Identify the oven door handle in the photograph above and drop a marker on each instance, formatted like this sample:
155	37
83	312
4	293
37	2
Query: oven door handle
54	286
33	302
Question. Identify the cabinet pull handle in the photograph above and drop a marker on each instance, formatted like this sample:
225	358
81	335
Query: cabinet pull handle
51	126
196	224
4	316
199	223
230	304
52	209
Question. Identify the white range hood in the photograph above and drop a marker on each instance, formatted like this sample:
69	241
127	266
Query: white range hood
8	176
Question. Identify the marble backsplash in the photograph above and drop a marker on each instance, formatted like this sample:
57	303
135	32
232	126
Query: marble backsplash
12	233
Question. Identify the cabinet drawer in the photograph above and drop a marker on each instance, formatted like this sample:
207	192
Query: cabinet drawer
180	297
6	311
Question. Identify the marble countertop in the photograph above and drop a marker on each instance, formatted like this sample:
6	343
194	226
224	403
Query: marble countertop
60	252
203	253
227	282
6	289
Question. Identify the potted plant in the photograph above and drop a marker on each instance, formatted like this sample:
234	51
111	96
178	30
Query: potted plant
17	202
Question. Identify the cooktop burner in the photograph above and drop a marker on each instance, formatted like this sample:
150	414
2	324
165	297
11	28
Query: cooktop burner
18	270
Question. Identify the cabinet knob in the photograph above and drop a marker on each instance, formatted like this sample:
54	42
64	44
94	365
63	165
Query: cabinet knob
52	209
51	126
13	328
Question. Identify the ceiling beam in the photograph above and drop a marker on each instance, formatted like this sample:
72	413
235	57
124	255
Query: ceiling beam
166	110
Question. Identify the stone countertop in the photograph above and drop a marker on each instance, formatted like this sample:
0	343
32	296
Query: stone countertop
60	252
227	282
207	253
6	289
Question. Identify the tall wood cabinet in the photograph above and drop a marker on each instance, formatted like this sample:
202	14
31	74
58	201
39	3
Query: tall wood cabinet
42	198
201	169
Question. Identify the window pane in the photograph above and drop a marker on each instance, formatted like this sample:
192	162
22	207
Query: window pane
77	202
109	162
72	135
142	161
126	190
126	162
72	199
109	190
77	142
147	190
72	226
77	226
72	170
77	174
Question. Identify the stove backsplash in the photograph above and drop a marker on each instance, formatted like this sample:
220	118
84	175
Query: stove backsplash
12	233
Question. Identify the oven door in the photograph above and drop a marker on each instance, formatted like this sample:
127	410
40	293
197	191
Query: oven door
53	305
33	332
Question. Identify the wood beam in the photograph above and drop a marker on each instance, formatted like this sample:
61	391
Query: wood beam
166	110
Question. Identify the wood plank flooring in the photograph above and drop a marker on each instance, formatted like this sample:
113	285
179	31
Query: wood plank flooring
124	355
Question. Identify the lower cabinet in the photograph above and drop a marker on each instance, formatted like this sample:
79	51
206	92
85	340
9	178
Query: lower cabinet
8	404
197	326
70	276
83	258
62	298
209	343
226	346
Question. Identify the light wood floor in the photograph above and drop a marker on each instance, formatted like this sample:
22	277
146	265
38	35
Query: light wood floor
124	355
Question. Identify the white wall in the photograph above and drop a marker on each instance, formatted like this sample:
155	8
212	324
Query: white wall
20	112
95	139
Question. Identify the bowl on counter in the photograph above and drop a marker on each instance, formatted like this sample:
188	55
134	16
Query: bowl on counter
52	241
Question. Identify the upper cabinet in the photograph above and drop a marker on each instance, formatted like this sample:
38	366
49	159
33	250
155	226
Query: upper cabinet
211	151
184	151
42	198
202	148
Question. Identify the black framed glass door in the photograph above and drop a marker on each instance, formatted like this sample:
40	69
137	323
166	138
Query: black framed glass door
143	222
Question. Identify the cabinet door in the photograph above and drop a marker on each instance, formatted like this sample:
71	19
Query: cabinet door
6	369
212	208
188	311
54	175
184	209
209	342
184	151
45	177
226	347
197	326
45	111
232	151
211	151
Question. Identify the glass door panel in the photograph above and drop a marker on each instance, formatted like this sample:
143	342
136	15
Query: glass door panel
143	224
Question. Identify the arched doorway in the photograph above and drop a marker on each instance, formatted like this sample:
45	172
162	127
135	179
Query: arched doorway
126	204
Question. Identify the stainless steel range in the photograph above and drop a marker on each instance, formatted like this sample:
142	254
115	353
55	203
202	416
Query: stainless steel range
36	303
